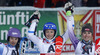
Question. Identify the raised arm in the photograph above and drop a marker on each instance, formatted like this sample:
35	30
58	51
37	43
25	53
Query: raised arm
32	28
70	24
71	34
31	33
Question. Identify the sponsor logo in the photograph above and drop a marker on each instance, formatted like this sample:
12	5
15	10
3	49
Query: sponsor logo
58	45
14	33
98	50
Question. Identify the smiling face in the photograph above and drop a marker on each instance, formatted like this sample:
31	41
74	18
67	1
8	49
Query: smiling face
87	36
49	33
13	40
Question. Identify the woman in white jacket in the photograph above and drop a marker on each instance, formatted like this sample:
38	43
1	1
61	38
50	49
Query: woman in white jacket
49	44
86	46
13	39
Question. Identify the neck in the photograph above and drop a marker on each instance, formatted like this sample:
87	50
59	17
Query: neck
50	40
87	42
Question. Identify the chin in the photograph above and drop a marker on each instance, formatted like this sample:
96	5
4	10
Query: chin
13	44
49	39
86	40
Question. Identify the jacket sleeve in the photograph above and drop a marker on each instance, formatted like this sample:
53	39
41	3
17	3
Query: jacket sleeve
70	27
65	36
1	48
31	33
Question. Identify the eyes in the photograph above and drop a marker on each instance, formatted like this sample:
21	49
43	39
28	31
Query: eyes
49	31
13	38
86	32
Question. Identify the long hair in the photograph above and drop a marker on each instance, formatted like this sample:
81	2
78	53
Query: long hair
17	46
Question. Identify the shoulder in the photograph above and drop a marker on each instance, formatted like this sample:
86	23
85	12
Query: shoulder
2	46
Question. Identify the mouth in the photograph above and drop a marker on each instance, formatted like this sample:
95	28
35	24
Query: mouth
48	36
86	37
13	44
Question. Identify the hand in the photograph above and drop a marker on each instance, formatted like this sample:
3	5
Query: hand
36	13
69	6
34	18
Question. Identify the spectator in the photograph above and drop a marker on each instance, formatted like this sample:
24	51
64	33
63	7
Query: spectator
92	3
61	3
4	2
89	3
98	2
48	3
84	2
76	3
20	3
39	3
55	3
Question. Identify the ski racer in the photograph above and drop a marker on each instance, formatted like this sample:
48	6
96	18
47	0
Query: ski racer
50	44
86	46
13	39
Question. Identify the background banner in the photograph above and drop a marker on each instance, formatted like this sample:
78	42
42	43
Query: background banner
17	19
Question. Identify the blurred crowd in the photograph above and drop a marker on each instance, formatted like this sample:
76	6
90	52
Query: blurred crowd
50	3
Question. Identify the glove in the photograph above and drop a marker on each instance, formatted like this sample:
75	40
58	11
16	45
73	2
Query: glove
36	13
69	6
34	18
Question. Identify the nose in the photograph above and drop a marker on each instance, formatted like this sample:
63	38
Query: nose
86	34
13	40
49	33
